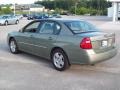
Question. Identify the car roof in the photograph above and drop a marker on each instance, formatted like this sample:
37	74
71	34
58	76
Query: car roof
65	19
60	19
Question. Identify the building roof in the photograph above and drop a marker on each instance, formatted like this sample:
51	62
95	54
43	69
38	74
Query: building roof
36	6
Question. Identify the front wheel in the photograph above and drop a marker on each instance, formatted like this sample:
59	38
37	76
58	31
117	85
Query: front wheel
13	46
60	60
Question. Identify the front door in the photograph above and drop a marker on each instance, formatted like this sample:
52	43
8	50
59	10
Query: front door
25	38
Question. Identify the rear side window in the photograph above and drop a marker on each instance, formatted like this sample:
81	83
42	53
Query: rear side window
50	27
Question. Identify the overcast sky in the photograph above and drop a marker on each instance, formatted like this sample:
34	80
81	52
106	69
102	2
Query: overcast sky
17	1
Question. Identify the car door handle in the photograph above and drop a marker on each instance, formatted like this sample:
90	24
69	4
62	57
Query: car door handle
50	38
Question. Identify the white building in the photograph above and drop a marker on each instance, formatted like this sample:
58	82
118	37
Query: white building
29	7
114	11
37	8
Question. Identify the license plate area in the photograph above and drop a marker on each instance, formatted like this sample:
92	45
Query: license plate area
104	43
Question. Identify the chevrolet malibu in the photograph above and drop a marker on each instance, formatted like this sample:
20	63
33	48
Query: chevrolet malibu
64	42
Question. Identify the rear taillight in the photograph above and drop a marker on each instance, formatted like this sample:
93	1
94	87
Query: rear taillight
86	43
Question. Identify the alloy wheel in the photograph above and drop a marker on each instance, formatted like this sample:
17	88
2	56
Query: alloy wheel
58	60
12	46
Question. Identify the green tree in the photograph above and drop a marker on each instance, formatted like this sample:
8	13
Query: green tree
96	6
6	10
0	8
82	11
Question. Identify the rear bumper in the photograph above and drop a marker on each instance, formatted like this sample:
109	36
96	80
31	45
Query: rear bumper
95	58
90	56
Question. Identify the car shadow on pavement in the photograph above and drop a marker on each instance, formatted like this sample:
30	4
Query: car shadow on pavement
23	57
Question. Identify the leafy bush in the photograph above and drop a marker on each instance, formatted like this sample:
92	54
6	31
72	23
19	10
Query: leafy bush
82	11
6	10
57	10
72	10
105	12
93	12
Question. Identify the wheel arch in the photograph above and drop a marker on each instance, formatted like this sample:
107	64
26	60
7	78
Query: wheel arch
6	21
10	39
17	20
54	48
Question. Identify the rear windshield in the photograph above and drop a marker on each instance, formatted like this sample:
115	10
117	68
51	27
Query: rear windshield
80	26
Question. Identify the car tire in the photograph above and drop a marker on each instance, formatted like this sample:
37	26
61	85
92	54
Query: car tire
17	21
13	46
60	60
6	23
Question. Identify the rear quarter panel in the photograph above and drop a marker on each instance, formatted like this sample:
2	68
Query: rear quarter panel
71	45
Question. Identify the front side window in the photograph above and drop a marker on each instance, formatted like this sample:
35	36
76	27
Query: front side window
50	28
80	26
32	27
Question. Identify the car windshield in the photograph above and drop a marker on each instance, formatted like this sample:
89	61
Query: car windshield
80	26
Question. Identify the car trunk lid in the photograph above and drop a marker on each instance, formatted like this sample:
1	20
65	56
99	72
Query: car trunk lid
103	42
100	41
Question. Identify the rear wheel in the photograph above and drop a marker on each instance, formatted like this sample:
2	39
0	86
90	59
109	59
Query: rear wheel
17	22
60	60
13	46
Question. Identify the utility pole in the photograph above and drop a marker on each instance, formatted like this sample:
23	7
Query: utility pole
14	9
29	8
98	2
75	8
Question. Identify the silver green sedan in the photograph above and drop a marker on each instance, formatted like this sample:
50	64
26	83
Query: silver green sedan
64	42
